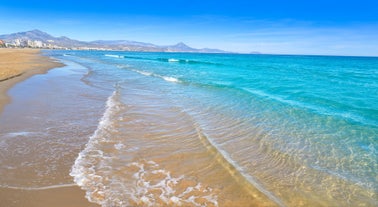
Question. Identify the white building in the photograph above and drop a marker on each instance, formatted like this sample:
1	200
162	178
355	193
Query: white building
34	43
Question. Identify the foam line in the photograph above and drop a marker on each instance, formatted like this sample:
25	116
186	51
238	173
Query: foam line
41	188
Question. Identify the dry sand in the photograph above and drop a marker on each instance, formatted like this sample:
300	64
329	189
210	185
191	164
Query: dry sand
17	65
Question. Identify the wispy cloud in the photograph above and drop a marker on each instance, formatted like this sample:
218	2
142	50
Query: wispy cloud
300	38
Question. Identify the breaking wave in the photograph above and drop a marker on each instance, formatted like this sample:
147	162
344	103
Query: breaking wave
114	56
169	60
166	78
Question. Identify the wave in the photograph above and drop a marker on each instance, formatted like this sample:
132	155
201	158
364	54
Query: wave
235	170
143	72
82	171
169	60
23	134
40	188
138	58
185	61
146	73
114	56
170	79
173	60
129	57
166	78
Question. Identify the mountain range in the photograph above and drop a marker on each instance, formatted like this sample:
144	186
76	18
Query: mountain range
45	40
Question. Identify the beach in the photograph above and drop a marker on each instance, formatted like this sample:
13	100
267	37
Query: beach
190	104
44	136
16	66
113	128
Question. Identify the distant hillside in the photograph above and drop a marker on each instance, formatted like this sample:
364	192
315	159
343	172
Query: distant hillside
39	39
37	35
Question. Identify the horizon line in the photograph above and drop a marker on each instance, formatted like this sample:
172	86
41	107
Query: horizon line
183	42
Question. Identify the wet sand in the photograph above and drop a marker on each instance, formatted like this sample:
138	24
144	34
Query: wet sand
57	197
17	65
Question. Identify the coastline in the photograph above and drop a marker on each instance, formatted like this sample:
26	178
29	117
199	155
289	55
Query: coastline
18	65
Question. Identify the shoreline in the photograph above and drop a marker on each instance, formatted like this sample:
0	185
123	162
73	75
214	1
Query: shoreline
24	64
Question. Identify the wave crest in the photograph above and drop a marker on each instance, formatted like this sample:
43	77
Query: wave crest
166	78
114	56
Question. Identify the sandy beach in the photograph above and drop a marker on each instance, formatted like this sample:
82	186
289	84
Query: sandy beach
17	65
57	197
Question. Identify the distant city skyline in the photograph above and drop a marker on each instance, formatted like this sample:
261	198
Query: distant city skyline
272	27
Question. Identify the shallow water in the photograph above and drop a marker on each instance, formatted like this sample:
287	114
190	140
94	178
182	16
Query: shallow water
205	129
45	127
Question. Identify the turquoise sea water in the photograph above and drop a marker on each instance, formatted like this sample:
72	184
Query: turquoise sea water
301	130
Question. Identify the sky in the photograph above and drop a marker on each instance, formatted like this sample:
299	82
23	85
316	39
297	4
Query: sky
319	27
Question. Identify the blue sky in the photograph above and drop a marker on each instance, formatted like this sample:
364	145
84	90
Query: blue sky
278	27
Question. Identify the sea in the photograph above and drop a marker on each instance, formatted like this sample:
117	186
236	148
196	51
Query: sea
191	129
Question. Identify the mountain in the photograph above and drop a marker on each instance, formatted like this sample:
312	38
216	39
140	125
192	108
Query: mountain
180	47
185	48
37	35
39	39
122	42
30	35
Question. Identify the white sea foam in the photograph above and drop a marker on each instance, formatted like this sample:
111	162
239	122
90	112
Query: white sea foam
170	79
143	72
23	134
114	56
83	169
167	185
173	60
41	187
166	78
119	146
16	134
